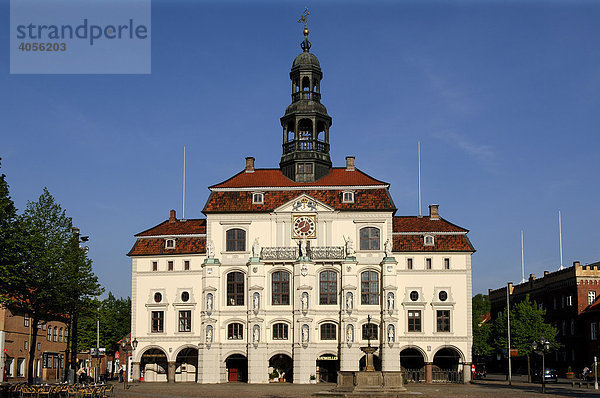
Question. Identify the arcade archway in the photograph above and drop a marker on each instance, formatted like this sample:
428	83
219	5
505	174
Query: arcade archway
412	364
153	365
237	368
283	366
327	367
376	362
186	365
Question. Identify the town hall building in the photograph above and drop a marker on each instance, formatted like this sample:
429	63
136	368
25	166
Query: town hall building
292	269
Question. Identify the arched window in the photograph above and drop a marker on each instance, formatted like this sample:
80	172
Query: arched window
49	334
55	334
280	288
328	287
280	331
369	287
329	331
370	330
305	83
369	238
235	288
235	331
236	240
60	335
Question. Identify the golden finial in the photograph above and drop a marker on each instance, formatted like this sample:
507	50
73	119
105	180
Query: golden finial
304	19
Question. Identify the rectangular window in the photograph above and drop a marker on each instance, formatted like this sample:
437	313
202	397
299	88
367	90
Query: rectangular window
158	321
21	367
44	326
569	301
328	331
563	301
443	320
409	263
414	321
170	264
154	265
446	263
280	287
186	265
257	198
328	287
348	197
280	331
428	263
26	345
49	334
235	331
185	321
572	327
554	302
235	240
370	331
8	367
591	297
39	346
26	320
369	288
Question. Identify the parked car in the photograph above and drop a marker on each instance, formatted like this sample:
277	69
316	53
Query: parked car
550	375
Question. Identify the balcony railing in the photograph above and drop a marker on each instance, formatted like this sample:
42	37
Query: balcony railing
292	253
279	253
306	95
305	145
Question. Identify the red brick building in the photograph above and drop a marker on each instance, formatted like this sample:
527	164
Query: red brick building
15	340
569	298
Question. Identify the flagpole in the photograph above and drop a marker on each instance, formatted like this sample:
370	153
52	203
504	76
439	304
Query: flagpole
560	239
522	260
419	157
183	205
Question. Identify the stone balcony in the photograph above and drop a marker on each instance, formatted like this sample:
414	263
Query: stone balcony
292	253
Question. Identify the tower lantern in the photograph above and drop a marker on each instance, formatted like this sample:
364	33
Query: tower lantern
306	123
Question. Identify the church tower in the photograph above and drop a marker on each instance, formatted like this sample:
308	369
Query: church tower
306	123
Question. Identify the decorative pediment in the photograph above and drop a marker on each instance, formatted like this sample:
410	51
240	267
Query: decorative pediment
304	204
210	289
256	287
304	287
349	287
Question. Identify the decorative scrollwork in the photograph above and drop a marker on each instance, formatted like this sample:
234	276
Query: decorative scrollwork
326	253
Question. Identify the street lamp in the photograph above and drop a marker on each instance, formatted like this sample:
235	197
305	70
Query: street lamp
127	345
542	348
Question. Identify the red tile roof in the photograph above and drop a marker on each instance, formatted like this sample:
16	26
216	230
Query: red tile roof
338	176
424	224
156	246
443	243
236	201
177	227
594	307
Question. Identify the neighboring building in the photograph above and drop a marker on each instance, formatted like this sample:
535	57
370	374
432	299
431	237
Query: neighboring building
567	296
282	276
15	340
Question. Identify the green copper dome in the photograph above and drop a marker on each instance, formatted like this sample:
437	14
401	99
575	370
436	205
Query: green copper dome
306	58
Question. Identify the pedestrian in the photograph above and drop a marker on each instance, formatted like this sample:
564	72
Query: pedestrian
121	375
585	372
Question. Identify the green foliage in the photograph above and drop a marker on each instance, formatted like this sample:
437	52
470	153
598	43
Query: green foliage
8	225
115	322
481	331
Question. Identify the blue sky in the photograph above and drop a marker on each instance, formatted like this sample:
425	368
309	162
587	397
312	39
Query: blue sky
504	97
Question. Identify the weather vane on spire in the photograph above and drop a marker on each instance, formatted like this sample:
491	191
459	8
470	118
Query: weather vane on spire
304	19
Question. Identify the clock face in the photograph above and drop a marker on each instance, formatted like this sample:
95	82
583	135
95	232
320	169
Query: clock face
304	226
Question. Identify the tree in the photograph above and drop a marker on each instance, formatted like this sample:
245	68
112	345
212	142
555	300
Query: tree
526	326
8	225
481	330
115	322
79	288
31	284
529	326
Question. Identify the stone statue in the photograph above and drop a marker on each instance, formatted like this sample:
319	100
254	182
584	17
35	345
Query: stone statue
305	334
255	248
256	334
349	300
210	249
304	301
303	247
256	302
209	334
209	302
388	248
391	334
390	301
349	334
349	246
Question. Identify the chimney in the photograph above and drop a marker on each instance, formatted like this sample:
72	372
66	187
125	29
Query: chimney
576	264
249	164
434	212
350	163
172	217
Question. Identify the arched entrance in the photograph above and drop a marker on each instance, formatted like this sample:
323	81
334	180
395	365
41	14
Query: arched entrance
237	368
327	367
376	362
153	365
445	366
186	365
412	364
281	367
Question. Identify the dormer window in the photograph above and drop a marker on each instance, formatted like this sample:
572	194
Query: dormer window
428	240
170	243
258	198
347	197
